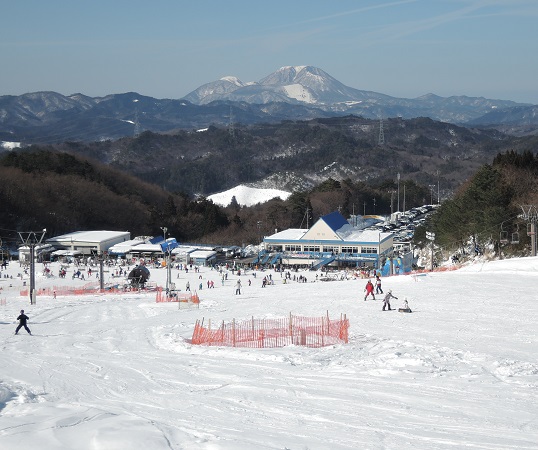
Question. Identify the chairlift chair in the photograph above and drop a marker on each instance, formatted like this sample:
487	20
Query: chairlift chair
503	237
530	231
515	237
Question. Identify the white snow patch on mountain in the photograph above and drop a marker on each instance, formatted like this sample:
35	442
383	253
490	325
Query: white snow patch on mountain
247	196
9	145
233	80
299	92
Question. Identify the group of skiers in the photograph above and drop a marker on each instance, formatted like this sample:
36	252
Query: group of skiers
369	290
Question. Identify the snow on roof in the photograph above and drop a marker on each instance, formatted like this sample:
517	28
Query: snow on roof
351	234
147	248
125	246
347	233
291	234
183	250
89	236
202	254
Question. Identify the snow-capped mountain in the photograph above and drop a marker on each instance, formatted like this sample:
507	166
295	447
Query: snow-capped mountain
290	93
290	84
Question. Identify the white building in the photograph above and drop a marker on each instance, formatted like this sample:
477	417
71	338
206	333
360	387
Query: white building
333	241
89	242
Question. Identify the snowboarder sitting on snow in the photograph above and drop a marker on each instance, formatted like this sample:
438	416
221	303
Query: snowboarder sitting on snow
386	300
22	322
369	289
406	307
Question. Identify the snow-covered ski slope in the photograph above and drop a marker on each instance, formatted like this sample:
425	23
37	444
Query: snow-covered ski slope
118	372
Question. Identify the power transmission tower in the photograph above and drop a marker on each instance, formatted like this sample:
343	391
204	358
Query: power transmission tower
231	128
530	215
31	239
136	124
381	140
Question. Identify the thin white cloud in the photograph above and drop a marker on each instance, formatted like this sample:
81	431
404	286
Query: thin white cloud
471	10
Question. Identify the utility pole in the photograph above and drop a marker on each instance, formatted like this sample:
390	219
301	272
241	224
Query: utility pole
31	239
101	272
438	197
166	258
381	140
431	237
432	187
398	178
530	215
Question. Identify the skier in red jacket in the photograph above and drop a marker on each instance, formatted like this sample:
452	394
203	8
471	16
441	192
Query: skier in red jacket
369	289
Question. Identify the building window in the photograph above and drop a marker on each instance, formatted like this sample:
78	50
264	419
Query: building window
350	249
292	248
369	249
311	248
330	248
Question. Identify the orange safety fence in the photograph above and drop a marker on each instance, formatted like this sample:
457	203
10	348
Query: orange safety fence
87	289
271	333
184	297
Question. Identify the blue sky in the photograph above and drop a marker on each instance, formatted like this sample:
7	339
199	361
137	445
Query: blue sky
167	48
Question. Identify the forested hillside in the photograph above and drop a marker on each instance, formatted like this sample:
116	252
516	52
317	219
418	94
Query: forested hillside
298	156
488	204
63	193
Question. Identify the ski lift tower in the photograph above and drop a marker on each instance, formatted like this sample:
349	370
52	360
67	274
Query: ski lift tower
530	215
31	239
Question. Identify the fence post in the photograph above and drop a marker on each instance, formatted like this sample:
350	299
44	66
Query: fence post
233	331
291	326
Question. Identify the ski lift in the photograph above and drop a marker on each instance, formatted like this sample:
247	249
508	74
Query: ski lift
515	237
504	237
530	231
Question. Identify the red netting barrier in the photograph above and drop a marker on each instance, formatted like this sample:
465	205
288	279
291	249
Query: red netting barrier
271	333
87	289
183	297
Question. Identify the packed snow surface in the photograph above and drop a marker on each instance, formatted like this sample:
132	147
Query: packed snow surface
247	196
119	371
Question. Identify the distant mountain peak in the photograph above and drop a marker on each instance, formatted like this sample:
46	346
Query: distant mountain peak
233	80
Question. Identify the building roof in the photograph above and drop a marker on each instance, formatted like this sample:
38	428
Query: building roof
126	246
89	236
340	230
202	254
335	220
291	234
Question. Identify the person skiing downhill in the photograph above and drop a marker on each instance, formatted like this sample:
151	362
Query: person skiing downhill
23	318
386	300
369	289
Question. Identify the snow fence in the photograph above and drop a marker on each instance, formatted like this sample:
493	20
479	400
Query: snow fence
184	297
88	289
271	333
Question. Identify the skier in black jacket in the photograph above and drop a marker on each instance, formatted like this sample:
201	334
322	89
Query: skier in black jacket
22	322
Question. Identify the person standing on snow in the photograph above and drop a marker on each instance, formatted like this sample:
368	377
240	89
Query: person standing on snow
369	289
23	318
386	300
378	289
238	287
